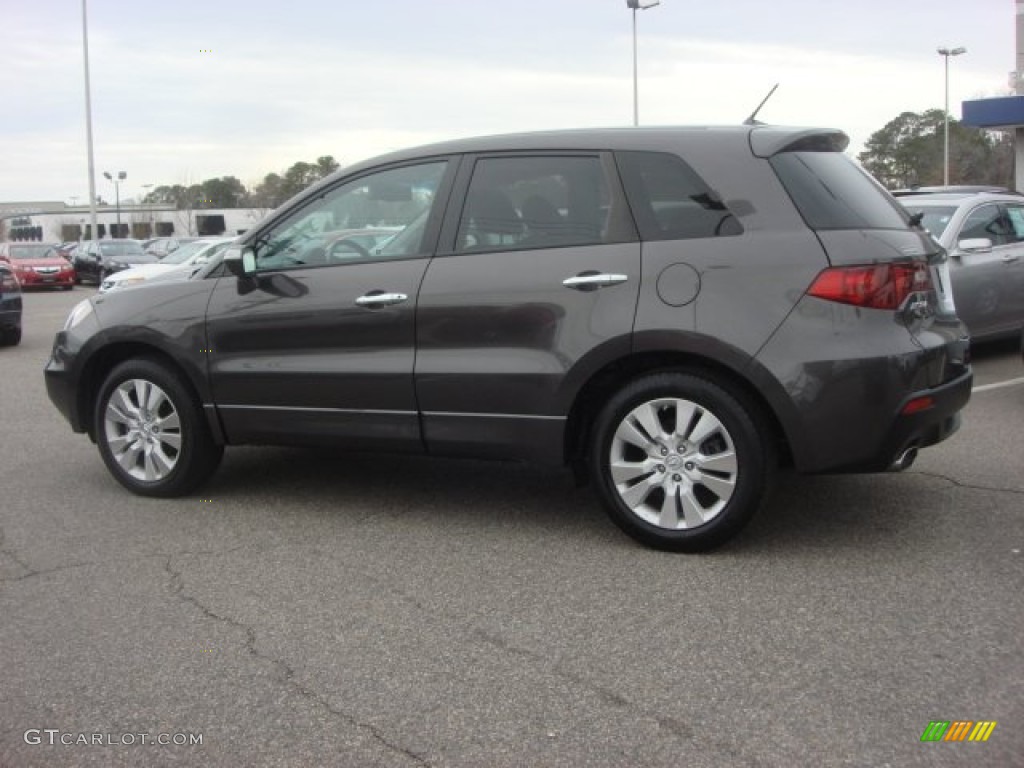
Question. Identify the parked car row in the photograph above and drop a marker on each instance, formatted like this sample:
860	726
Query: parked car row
182	260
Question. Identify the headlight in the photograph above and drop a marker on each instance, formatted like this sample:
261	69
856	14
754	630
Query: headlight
81	311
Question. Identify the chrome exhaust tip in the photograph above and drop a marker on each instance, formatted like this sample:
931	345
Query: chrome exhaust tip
904	460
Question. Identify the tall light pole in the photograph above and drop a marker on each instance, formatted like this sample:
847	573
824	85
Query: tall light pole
945	53
637	5
88	125
121	176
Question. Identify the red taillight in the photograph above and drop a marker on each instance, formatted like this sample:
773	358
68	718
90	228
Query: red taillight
879	286
918	404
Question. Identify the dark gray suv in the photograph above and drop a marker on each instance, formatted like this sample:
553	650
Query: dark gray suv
676	310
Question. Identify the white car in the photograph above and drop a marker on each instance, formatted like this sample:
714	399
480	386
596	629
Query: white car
184	258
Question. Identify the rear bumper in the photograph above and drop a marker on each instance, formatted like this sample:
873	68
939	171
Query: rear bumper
920	429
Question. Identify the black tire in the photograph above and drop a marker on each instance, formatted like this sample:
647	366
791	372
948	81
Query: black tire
10	337
684	499
197	455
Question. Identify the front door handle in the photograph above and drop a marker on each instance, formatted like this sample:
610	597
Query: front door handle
1011	257
591	281
375	299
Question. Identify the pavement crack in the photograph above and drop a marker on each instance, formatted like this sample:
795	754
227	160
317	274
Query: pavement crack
968	486
287	672
32	572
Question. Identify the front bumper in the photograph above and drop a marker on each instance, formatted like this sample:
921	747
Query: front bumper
36	280
61	386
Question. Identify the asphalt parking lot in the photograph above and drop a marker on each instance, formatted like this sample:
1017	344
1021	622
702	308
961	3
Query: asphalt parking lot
315	609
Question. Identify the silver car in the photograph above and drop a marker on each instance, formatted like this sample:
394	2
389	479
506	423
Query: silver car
984	235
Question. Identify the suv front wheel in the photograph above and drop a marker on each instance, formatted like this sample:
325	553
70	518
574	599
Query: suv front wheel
151	432
679	463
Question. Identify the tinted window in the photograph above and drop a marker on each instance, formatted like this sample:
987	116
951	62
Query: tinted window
670	201
328	229
933	218
517	203
115	248
832	192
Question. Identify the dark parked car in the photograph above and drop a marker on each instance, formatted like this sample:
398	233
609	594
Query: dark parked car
675	310
10	306
95	259
38	265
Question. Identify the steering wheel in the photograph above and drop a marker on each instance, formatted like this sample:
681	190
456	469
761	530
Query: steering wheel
343	244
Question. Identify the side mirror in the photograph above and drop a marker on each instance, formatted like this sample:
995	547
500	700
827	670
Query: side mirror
975	245
241	262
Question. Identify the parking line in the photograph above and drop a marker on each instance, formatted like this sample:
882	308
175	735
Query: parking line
999	384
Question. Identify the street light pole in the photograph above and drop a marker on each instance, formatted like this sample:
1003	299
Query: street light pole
637	5
121	176
945	53
88	126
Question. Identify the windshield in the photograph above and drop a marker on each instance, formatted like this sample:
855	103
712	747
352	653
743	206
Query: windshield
183	253
121	248
34	251
834	193
933	218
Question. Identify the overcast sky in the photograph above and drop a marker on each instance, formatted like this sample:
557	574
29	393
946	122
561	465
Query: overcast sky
184	90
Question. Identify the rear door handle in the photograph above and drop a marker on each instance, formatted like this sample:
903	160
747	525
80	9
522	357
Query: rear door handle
375	299
594	280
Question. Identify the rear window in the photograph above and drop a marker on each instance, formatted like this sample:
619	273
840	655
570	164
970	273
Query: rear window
832	192
933	218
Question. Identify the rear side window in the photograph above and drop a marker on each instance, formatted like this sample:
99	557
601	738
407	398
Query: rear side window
832	192
520	203
670	200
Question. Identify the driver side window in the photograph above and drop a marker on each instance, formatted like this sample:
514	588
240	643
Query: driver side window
381	215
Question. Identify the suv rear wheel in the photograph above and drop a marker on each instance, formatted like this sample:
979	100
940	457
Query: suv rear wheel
679	463
151	433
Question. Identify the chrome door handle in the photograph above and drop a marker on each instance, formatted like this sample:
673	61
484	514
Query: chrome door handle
1011	257
593	281
381	299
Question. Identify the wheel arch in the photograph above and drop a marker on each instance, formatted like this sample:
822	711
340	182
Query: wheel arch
104	360
604	383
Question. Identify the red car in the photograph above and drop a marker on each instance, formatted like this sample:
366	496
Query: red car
38	265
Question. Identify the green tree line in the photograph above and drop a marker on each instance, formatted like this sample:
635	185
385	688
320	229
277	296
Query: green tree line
908	151
229	192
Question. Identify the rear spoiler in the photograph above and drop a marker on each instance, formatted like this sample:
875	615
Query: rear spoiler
769	140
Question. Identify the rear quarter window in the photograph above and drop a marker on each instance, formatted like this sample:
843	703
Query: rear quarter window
832	192
670	200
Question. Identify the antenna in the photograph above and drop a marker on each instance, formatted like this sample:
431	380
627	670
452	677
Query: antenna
750	120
